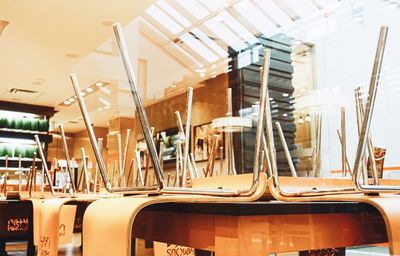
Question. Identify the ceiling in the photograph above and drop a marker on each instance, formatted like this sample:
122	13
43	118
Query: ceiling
40	35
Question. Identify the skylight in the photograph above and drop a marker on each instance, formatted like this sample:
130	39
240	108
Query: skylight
228	20
255	17
302	8
174	13
210	43
274	12
199	48
164	20
194	8
226	35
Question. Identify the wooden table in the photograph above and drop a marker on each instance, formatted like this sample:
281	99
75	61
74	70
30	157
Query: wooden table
260	228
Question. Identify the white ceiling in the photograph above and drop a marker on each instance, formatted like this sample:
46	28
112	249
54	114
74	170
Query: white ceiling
41	33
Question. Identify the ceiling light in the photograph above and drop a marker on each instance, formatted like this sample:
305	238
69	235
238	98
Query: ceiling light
308	118
67	102
71	55
164	20
200	70
284	115
194	8
3	25
199	47
301	120
107	23
285	94
105	102
71	100
225	34
99	84
83	94
89	89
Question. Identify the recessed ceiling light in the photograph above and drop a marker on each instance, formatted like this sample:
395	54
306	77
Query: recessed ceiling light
71	100
67	102
99	84
71	55
200	70
107	23
3	25
89	89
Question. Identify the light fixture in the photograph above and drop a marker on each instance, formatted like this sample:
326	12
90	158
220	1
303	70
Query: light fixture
301	120
3	25
83	94
308	118
285	94
271	99
71	55
89	89
200	70
71	100
67	102
284	115
99	84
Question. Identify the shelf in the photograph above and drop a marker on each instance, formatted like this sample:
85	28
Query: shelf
23	131
8	133
24	159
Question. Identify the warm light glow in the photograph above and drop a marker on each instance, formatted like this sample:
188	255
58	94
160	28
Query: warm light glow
67	102
5	113
71	100
99	84
89	89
